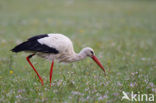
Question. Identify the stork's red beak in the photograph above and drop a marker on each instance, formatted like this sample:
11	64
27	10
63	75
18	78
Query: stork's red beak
98	62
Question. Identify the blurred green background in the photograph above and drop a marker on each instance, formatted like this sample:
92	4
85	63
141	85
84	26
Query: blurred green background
121	32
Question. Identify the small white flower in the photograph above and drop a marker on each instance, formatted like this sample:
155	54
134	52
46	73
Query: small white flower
132	84
154	90
143	59
100	98
151	84
88	97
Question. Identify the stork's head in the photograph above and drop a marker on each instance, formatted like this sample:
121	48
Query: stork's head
90	53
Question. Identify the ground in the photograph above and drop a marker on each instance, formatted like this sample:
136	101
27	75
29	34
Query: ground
122	34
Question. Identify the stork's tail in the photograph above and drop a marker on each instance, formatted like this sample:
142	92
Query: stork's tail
20	47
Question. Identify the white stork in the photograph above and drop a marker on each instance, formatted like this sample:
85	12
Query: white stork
54	47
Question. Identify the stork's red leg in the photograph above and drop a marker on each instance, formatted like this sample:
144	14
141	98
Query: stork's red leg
28	59
51	71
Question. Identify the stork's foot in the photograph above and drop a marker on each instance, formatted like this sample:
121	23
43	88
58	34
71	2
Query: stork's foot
42	82
50	85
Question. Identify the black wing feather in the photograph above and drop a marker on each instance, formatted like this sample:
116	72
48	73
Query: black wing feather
33	45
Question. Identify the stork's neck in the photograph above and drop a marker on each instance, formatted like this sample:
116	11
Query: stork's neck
77	56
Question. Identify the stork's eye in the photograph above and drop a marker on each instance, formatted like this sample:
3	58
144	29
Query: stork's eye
92	52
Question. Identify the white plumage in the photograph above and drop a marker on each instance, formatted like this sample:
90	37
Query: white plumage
61	43
58	41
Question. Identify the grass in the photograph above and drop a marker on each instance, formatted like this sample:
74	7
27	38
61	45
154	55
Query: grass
122	34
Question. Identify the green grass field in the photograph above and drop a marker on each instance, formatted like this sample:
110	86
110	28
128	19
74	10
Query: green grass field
122	34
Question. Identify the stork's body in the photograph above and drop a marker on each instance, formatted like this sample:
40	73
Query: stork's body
63	45
53	47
